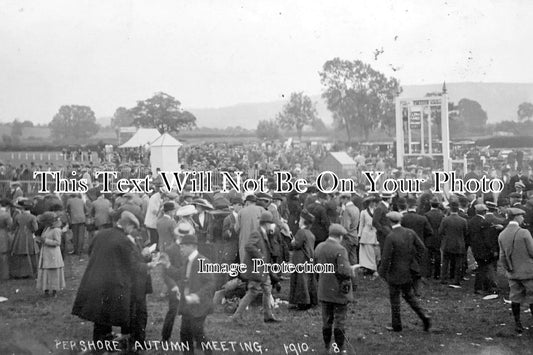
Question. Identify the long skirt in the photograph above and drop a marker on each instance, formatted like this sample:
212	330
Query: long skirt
369	255
303	289
23	266
51	279
4	266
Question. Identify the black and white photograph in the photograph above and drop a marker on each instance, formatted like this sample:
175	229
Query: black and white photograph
266	177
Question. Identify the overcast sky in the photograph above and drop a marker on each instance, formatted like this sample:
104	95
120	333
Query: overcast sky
107	54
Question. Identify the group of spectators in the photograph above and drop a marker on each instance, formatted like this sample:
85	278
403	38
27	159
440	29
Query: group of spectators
405	238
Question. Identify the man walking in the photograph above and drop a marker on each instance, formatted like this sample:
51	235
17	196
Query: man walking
516	256
258	247
402	254
334	290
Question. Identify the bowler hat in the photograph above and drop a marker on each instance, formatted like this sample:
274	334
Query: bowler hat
183	229
169	206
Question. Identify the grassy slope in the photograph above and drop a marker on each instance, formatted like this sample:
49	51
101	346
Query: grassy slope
30	323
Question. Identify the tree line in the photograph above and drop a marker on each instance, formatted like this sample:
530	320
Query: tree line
360	98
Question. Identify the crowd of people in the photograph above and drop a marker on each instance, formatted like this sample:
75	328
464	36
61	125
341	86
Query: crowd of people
404	238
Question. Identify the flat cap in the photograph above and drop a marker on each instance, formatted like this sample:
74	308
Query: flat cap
490	205
263	196
235	200
515	195
251	198
346	195
394	216
337	229
277	197
513	211
128	217
480	207
266	217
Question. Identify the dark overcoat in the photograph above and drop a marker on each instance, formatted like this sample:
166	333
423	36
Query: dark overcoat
115	270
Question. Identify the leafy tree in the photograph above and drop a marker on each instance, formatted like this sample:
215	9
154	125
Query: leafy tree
16	128
525	111
122	118
359	97
73	121
268	129
473	115
163	112
300	111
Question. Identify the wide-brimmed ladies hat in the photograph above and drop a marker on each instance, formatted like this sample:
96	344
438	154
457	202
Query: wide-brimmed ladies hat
202	202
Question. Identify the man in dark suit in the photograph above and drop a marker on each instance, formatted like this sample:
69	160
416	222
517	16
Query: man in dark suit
173	263
334	290
453	232
380	220
165	226
401	257
259	247
115	282
420	225
484	251
320	226
434	216
197	290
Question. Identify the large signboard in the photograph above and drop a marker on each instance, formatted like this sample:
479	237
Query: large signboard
422	130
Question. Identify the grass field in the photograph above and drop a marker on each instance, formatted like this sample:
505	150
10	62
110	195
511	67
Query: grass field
463	322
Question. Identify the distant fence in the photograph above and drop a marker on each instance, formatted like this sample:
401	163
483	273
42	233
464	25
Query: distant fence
55	157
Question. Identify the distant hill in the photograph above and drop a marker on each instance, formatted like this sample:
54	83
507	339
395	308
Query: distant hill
500	100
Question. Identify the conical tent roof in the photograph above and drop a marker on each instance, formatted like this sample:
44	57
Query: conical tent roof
166	140
143	137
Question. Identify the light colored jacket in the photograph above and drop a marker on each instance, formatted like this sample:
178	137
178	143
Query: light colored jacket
516	252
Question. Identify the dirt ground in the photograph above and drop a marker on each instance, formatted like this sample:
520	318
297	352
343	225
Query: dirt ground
463	322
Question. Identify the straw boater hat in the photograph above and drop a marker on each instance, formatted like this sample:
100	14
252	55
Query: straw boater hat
187	210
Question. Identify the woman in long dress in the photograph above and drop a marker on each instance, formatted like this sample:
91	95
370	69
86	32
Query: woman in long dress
303	288
51	276
24	251
369	254
5	226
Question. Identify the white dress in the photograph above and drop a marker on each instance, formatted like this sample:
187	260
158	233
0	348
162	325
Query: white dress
369	253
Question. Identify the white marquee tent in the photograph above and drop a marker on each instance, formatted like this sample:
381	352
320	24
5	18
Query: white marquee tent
143	137
164	153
